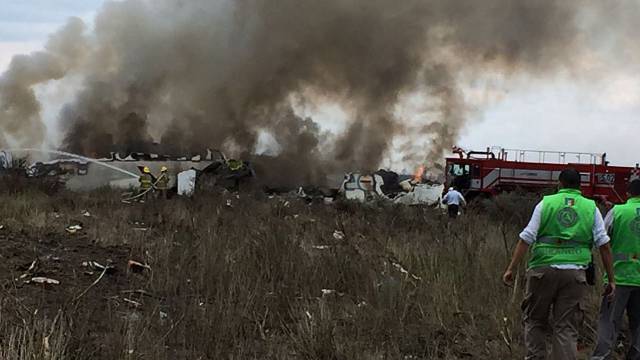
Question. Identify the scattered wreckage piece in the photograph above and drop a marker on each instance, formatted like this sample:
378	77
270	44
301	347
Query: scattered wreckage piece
137	267
6	160
42	280
387	185
72	229
109	269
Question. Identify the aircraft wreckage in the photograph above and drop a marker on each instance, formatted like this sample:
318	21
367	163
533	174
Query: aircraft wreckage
81	173
214	169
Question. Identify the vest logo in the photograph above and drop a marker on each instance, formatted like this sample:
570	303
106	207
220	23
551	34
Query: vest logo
635	226
569	201
567	217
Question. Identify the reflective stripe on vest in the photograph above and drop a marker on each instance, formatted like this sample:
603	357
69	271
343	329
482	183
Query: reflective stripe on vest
559	241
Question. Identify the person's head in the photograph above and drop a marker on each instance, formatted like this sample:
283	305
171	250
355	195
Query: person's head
451	188
146	170
163	169
634	188
570	179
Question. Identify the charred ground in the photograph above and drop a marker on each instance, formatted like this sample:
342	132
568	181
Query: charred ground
263	278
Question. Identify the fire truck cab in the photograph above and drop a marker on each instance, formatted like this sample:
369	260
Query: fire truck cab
496	170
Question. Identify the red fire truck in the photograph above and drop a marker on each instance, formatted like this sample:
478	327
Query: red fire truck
496	170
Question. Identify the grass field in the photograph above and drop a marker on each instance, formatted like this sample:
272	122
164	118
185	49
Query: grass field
263	278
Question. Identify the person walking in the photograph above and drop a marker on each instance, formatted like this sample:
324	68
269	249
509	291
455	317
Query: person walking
453	199
559	237
623	223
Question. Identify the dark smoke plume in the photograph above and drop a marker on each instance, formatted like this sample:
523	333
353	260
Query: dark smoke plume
219	73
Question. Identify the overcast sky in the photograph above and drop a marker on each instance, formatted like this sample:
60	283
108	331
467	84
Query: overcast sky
554	114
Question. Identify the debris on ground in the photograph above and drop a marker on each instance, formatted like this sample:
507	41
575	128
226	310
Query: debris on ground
390	186
93	265
43	280
29	270
85	213
72	229
326	292
403	270
137	267
338	235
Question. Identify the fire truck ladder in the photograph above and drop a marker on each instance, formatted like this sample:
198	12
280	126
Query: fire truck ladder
549	157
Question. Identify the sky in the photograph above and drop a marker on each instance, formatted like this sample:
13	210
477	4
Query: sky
564	113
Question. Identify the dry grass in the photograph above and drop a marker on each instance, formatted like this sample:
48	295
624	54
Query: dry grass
267	279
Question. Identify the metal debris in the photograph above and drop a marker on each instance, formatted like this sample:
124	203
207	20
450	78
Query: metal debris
43	280
96	266
72	229
137	267
326	292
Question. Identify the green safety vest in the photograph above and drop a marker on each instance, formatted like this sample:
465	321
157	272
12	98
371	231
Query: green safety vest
145	181
565	235
625	243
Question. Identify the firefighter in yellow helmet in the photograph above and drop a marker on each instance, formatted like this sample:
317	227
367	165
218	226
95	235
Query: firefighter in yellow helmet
146	182
234	165
162	184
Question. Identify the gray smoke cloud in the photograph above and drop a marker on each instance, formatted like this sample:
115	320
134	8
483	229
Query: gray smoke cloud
204	73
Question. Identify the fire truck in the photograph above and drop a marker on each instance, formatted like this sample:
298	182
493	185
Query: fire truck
496	170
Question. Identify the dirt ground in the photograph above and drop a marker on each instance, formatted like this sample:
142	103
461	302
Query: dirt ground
251	276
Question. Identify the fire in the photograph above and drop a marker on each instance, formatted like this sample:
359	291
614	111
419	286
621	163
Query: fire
417	176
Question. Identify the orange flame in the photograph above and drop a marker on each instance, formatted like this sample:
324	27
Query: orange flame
417	176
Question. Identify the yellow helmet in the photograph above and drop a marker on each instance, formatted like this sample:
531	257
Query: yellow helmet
146	170
163	169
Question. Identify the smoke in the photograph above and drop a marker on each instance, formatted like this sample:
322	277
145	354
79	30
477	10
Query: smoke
203	73
19	108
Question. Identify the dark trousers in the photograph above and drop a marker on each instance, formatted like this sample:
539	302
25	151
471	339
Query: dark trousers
611	319
453	211
560	293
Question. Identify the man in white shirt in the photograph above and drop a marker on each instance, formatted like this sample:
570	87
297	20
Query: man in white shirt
453	199
562	231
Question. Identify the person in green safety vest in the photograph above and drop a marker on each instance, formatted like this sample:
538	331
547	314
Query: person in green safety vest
623	223
559	237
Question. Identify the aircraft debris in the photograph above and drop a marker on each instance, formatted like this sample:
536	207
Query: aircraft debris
338	235
72	229
43	280
96	266
388	185
137	267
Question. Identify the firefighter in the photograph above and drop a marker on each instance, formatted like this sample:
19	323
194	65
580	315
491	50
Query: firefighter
453	199
235	165
623	223
162	184
560	235
146	183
